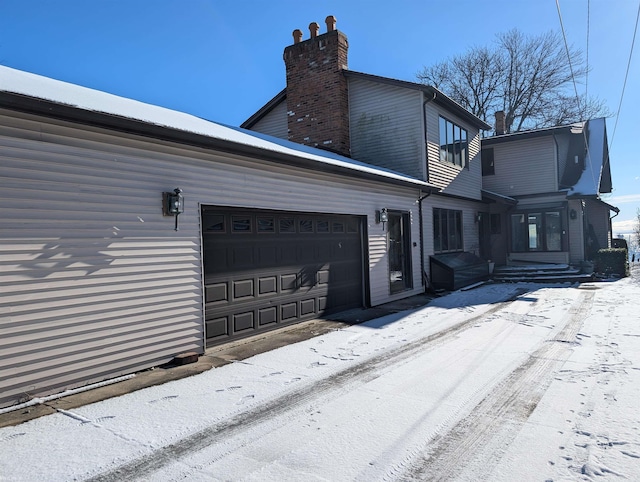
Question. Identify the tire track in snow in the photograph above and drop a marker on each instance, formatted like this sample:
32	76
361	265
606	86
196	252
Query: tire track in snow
350	378
475	445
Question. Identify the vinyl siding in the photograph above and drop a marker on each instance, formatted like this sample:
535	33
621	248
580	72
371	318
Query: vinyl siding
95	281
576	232
274	123
598	216
452	179
386	126
524	167
470	234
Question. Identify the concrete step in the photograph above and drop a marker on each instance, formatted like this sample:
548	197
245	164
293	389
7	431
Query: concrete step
553	273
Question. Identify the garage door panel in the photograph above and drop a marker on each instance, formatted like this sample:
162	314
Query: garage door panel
267	285
243	321
268	269
216	292
243	289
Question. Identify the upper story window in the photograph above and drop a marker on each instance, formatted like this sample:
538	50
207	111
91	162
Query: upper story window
453	143
488	168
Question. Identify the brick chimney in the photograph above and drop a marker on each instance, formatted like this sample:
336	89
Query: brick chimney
317	92
501	123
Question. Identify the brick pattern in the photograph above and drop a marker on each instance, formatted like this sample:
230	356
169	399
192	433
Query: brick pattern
317	92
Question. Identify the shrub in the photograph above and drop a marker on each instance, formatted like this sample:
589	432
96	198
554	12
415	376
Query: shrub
612	261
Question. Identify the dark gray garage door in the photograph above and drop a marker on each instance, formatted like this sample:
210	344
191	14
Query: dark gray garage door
265	269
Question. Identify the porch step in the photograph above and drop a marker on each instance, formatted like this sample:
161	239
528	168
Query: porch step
541	273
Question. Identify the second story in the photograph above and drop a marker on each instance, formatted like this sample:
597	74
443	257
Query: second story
573	159
402	126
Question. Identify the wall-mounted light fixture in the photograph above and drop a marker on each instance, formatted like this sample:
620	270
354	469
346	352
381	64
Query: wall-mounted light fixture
382	216
478	217
573	214
173	204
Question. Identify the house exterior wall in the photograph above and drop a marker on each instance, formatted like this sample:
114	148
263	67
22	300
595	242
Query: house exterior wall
386	126
598	217
576	231
96	283
523	167
274	123
470	238
452	179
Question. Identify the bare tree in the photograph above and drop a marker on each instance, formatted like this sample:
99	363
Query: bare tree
527	77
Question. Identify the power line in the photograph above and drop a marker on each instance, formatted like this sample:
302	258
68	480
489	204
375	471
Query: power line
586	81
626	75
575	88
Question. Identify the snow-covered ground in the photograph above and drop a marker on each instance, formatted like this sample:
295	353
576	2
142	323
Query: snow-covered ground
503	382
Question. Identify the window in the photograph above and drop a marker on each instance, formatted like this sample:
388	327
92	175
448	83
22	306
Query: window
305	225
240	224
322	226
287	225
488	168
447	230
453	143
536	231
266	225
214	223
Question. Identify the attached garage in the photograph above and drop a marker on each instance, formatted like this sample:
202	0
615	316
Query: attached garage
97	282
265	269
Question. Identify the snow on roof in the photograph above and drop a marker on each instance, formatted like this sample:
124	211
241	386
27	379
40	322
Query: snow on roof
24	83
589	182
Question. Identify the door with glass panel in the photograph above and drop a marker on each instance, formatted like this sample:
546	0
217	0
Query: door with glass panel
399	249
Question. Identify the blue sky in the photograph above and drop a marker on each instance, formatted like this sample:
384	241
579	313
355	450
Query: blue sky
222	59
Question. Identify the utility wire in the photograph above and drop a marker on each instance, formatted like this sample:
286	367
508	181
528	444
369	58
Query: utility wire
626	75
586	81
575	88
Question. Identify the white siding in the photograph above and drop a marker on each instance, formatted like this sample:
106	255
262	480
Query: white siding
452	179
386	126
524	167
95	281
274	123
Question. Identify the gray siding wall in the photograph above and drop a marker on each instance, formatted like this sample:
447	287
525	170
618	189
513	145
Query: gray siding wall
524	167
274	123
598	216
386	126
470	235
95	282
452	179
576	232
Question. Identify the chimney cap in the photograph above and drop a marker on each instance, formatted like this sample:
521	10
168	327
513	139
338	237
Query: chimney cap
314	28
297	36
331	23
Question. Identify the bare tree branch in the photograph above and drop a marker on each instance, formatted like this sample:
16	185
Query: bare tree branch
527	77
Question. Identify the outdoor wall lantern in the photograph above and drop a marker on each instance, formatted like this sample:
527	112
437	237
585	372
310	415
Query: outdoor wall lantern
573	214
173	204
382	216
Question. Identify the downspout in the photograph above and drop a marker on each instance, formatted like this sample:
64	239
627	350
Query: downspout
611	228
423	273
425	278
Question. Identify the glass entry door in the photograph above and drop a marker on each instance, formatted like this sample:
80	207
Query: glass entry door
399	249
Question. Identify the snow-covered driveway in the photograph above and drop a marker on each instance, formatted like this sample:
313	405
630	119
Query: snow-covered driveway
504	382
